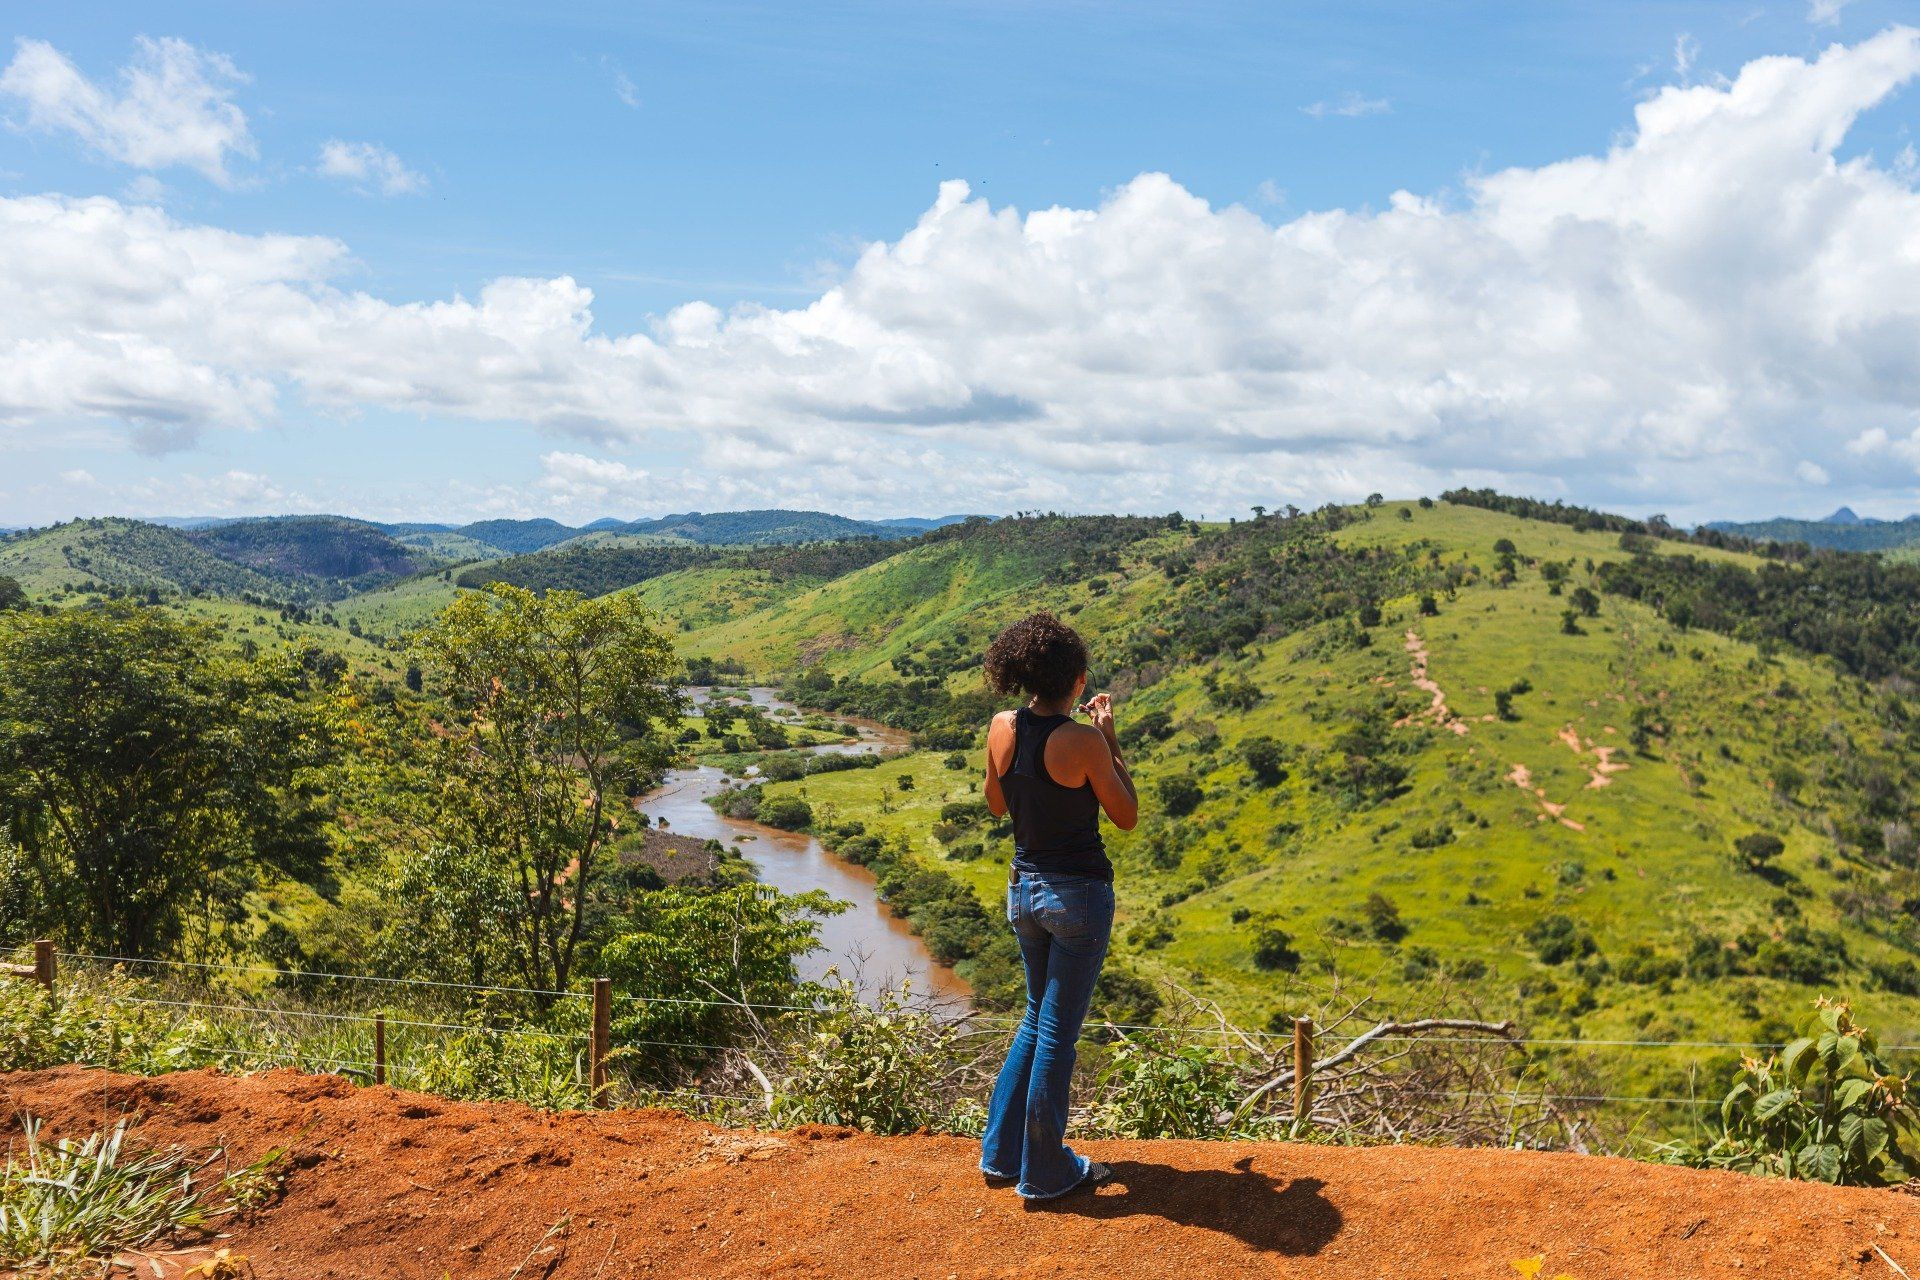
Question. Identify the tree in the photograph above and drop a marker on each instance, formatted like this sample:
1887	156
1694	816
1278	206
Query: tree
1179	795
1273	949
1429	608
147	777
1383	918
11	595
1586	602
561	706
1758	849
1266	759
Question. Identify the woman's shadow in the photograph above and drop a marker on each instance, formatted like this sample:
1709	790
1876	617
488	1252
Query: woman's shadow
1272	1215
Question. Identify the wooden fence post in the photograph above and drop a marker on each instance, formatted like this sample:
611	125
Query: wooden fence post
602	1022
379	1048
1302	1066
43	965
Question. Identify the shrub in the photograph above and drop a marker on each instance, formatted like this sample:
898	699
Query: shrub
1179	795
1266	759
789	813
1556	939
1383	918
886	1069
1827	1109
1273	949
1758	850
1189	1092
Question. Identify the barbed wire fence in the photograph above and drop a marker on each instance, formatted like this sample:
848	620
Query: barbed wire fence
1461	1080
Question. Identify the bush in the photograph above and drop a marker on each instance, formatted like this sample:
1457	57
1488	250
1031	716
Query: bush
1266	759
1179	795
1758	850
1827	1109
1556	939
1383	918
789	813
887	1069
1189	1092
1273	949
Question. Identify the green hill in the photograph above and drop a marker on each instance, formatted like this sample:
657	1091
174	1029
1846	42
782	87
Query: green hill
724	527
1417	748
330	553
516	537
87	556
1832	534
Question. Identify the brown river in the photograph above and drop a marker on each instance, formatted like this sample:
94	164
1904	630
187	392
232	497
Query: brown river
866	942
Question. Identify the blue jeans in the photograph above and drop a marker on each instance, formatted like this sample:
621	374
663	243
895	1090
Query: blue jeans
1063	923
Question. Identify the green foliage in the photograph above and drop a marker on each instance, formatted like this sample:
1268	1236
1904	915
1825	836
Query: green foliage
12	594
1827	1109
691	966
69	1206
789	813
1758	849
1557	939
1273	949
1266	759
1188	1091
889	1068
150	779
1178	794
331	553
561	707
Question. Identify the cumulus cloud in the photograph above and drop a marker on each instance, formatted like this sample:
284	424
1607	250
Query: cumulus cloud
1825	12
1696	318
1349	103
575	478
369	167
173	105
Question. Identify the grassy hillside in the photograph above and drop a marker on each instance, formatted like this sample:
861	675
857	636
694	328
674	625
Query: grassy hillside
87	556
1566	853
332	555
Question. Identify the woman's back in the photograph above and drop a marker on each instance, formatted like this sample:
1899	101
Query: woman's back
1055	828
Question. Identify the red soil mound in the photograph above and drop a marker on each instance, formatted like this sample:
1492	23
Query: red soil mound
396	1185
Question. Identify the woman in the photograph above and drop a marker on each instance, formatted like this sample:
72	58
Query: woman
1053	775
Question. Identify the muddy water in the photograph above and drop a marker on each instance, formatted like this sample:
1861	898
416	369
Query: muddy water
866	941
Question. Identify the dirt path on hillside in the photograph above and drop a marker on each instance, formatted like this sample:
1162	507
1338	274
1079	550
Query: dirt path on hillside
1437	711
399	1186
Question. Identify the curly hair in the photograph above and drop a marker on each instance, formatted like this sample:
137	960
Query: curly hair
1039	654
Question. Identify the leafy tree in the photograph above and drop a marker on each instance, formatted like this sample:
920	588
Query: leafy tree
1266	759
560	706
1383	918
1273	949
1429	608
146	777
1179	795
1586	602
12	596
1758	849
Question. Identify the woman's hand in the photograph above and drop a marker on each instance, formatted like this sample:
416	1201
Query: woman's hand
1099	709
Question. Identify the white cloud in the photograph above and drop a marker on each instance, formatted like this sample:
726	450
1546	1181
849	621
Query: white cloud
369	167
626	90
1812	472
1349	103
1686	52
1685	322
575	478
1825	12
174	105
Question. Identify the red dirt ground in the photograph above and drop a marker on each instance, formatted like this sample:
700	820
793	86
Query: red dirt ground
397	1185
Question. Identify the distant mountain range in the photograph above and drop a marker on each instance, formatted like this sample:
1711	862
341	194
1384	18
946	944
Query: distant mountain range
327	557
1844	530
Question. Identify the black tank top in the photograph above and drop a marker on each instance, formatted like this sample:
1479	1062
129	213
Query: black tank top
1055	828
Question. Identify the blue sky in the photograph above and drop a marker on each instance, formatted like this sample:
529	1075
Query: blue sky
744	156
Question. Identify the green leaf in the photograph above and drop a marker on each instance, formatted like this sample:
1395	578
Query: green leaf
1774	1103
1850	1092
1874	1136
1852	1134
1829	1017
1820	1162
1796	1059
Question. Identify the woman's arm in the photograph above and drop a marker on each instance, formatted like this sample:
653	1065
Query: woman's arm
1106	771
999	733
